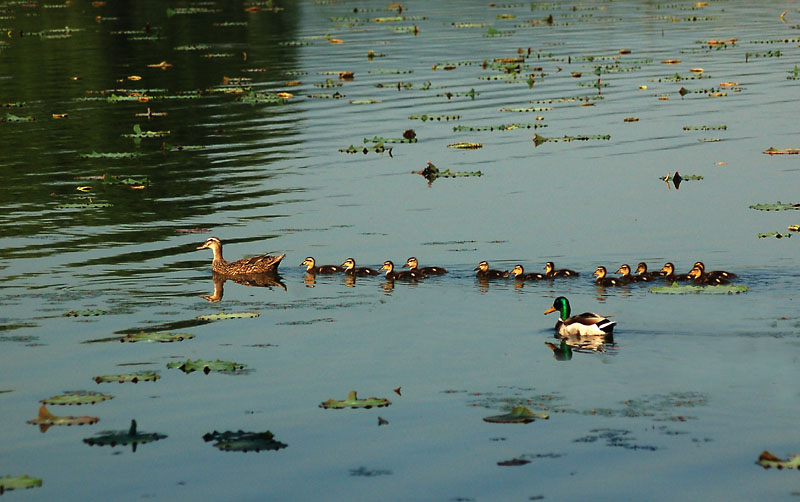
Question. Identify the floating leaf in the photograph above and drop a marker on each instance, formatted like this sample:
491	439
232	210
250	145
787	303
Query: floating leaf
431	173
434	117
15	118
682	177
207	367
77	397
778	206
9	483
129	437
777	235
513	462
143	336
45	420
228	315
782	151
378	139
767	460
501	127
85	313
83	205
379	148
519	415
244	441
466	146
141	376
138	133
683	289
526	109
352	401
722	127
538	139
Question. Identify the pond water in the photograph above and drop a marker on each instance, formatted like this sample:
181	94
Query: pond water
679	405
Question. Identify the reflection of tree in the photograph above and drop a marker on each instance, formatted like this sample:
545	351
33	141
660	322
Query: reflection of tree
256	280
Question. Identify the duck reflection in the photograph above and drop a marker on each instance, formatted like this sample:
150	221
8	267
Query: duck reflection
581	344
268	280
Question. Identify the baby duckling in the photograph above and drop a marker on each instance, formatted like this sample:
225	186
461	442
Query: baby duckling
350	269
484	272
313	268
668	271
519	274
404	275
602	280
550	271
413	264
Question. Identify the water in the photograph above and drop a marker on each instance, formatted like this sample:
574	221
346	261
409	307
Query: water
693	389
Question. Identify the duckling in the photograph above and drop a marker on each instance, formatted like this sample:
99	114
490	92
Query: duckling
626	277
643	275
262	264
668	271
350	269
519	274
701	277
484	272
407	275
602	280
584	324
413	264
312	268
715	273
550	271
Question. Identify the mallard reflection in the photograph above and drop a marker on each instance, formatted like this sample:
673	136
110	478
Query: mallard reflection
268	280
582	344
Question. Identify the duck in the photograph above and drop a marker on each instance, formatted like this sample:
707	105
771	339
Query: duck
351	269
407	275
313	268
626	276
413	264
484	272
585	324
703	278
715	273
643	275
602	280
550	271
261	264
668	271
519	274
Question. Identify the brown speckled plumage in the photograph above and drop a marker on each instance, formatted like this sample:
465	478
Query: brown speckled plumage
262	264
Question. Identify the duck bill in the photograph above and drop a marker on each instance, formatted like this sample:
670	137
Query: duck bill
204	246
596	272
550	310
476	268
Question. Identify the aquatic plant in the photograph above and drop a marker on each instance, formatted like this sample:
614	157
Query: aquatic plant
123	438
519	415
207	367
525	109
434	117
109	155
682	289
465	146
77	397
778	206
782	151
777	235
228	315
538	140
353	401
154	336
244	441
379	148
722	127
141	376
45	420
379	139
768	460
500	127
85	313
431	173
138	133
9	483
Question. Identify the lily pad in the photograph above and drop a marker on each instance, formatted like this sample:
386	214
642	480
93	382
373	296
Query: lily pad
683	289
777	235
84	313
244	441
781	151
438	118
156	337
378	139
45	420
228	315
141	376
207	367
778	206
138	133
499	127
538	140
83	205
352	401
109	155
466	146
8	483
77	397
519	415
129	437
767	460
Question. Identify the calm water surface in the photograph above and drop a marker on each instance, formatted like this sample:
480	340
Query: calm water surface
692	390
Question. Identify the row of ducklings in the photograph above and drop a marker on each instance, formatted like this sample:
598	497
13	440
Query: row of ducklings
349	268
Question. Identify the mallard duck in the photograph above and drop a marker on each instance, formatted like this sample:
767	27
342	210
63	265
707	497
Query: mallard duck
351	269
643	275
701	277
484	272
413	264
668	271
550	271
262	264
312	268
715	273
519	274
584	324
407	275
602	280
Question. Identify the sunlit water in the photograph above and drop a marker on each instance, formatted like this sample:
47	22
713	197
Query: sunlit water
692	390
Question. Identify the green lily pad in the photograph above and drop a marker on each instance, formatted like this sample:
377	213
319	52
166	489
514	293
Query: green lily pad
519	415
228	315
778	206
352	401
777	235
16	118
683	289
8	483
141	376
84	313
499	127
379	148
466	146
722	127
77	397
437	118
207	367
378	139
45	420
244	441
129	437
538	140
139	133
767	460
143	336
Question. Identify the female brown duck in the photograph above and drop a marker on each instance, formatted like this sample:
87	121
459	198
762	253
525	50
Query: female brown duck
262	264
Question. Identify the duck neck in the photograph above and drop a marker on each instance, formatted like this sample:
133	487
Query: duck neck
218	259
565	311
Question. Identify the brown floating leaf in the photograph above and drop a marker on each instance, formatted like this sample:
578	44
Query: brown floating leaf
767	460
671	61
346	75
45	420
631	119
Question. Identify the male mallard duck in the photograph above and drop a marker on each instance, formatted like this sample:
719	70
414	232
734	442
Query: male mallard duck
262	264
413	264
626	277
551	272
701	277
643	275
584	324
602	280
350	269
715	273
484	272
408	275
312	268
519	274
668	271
